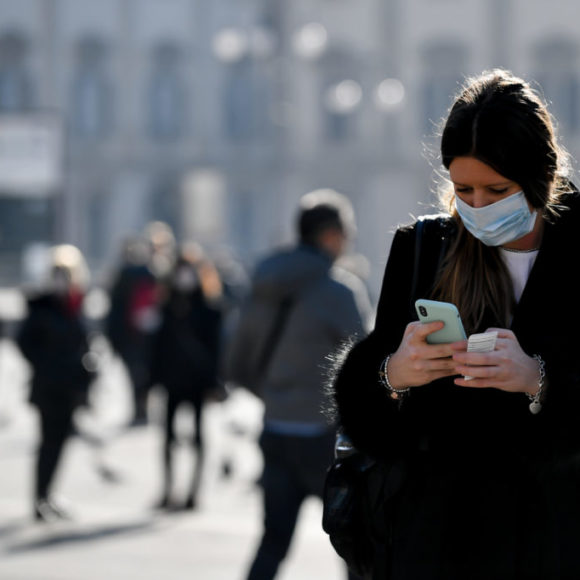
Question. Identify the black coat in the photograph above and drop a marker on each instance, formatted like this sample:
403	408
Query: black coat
186	348
54	341
492	491
133	283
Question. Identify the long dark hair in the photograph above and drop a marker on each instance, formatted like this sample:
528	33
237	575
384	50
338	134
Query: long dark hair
500	120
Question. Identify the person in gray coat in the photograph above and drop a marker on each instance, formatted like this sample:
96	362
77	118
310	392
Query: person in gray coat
300	310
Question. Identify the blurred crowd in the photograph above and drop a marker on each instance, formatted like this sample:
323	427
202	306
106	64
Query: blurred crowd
175	319
169	305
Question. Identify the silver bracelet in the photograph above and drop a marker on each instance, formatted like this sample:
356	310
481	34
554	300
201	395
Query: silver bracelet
396	394
536	400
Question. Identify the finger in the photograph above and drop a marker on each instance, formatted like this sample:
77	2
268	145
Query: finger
439	352
507	347
476	358
486	373
502	332
412	325
442	364
472	383
480	383
504	342
425	328
460	346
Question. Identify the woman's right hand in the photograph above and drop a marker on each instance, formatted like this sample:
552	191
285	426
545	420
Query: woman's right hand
416	362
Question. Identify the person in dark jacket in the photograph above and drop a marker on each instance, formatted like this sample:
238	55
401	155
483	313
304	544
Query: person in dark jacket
54	341
133	319
300	309
186	351
492	463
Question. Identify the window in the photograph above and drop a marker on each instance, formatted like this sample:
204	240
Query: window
166	94
444	66
15	82
556	62
341	101
165	202
91	100
246	102
341	95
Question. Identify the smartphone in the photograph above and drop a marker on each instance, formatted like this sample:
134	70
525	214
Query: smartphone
433	310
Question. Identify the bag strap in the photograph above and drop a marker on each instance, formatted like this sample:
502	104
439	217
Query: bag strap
273	338
421	231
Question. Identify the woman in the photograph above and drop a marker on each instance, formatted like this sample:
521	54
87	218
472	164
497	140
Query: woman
185	357
54	340
491	484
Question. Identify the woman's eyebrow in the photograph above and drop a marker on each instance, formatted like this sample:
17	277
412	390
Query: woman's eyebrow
497	184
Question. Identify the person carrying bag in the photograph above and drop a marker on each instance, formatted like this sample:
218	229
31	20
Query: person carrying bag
488	440
360	490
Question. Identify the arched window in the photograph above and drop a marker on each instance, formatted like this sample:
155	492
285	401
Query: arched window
166	95
445	65
91	107
556	62
15	82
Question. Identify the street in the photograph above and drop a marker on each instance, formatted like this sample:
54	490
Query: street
110	478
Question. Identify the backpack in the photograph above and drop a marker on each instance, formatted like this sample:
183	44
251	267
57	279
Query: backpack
257	334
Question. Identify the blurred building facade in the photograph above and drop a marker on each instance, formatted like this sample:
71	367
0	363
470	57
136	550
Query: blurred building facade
215	116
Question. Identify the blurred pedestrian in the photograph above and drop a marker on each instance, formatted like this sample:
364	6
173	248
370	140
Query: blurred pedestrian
53	339
185	358
133	318
484	446
299	310
162	245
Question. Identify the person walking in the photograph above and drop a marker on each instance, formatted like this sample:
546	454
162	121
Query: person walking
299	310
488	442
133	318
185	358
53	339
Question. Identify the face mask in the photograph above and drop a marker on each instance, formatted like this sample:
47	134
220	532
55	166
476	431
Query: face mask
498	223
60	283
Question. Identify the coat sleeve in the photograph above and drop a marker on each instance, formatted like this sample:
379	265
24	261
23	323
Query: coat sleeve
349	298
548	325
30	338
368	415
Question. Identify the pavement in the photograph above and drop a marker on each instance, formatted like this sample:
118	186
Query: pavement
110	478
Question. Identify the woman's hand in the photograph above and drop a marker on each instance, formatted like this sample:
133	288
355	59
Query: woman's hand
417	363
507	368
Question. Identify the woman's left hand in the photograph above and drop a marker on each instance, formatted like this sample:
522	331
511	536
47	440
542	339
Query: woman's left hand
507	368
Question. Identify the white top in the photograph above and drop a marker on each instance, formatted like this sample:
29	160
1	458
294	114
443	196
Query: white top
519	265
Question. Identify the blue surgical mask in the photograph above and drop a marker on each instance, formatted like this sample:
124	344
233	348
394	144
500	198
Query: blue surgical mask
498	223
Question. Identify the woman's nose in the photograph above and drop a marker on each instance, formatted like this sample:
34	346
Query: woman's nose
479	199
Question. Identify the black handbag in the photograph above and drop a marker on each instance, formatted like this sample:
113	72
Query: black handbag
357	500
